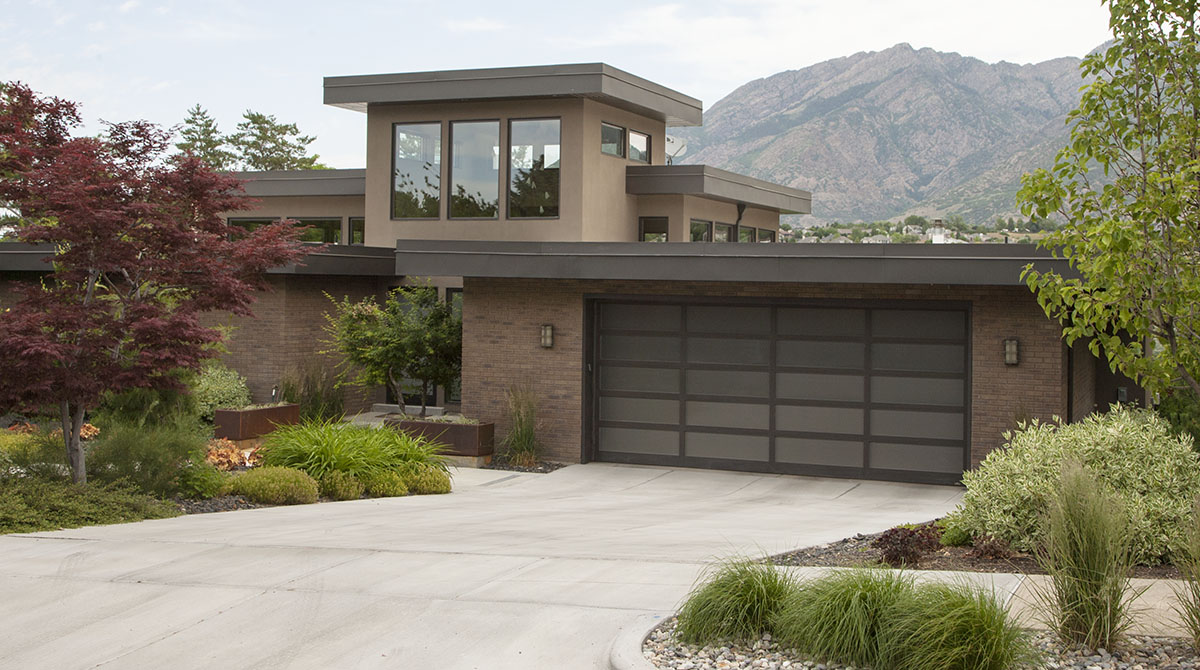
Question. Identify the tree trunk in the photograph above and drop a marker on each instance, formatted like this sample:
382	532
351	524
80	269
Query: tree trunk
72	422
424	395
1190	380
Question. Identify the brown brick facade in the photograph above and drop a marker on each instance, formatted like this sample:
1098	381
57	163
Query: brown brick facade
502	320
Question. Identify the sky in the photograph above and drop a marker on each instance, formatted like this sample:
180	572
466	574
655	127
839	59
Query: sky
140	59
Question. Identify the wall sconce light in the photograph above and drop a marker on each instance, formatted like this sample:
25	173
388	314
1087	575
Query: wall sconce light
547	336
1011	351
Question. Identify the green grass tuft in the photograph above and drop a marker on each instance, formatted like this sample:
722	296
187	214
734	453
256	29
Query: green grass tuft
736	601
319	447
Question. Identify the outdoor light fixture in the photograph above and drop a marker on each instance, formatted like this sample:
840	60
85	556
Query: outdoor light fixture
547	336
1011	354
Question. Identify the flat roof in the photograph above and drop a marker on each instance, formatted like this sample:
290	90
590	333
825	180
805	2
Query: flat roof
271	183
710	182
596	81
950	264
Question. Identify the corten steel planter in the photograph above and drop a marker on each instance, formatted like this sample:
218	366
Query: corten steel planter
460	439
247	424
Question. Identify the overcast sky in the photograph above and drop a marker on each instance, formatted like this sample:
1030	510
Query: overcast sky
126	59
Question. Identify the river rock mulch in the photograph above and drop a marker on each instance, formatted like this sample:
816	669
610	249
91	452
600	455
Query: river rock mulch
218	504
501	462
663	651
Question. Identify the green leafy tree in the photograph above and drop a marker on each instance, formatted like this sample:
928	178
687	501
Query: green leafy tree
1134	237
411	335
201	138
263	143
915	220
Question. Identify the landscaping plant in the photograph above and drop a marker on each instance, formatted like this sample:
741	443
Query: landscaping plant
275	486
148	457
521	445
424	479
1133	453
387	484
903	546
1088	558
1187	596
202	480
32	504
218	387
340	485
953	534
318	447
315	387
735	600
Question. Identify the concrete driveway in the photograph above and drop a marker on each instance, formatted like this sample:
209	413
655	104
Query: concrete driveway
510	571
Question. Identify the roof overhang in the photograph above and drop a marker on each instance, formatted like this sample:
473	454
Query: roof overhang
595	81
709	182
975	264
273	183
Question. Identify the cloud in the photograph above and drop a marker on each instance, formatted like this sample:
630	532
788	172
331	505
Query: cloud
477	25
128	6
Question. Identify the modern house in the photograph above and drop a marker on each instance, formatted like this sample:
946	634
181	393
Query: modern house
534	196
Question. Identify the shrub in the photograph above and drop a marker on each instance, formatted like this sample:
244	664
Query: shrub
943	626
521	444
275	486
1133	452
146	406
315	387
953	534
385	484
29	505
1088	558
735	600
218	387
1187	596
904	546
148	457
423	479
199	479
1180	408
33	454
339	485
991	548
842	617
317	447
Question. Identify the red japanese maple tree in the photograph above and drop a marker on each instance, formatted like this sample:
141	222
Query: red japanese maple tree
140	250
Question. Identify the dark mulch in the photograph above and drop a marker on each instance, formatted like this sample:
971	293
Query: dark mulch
218	504
857	551
501	462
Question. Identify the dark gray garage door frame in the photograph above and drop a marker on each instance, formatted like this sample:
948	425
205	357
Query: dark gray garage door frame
909	422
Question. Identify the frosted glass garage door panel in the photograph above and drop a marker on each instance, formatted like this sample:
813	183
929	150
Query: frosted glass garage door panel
637	441
928	425
728	415
806	451
937	324
732	320
728	352
734	447
909	357
647	380
738	383
639	410
641	317
821	322
918	391
640	348
797	386
837	355
819	420
916	457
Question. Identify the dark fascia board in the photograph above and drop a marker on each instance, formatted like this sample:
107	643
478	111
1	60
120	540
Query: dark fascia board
272	183
958	264
341	260
596	81
709	182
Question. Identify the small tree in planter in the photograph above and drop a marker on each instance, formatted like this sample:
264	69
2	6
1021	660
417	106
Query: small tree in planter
411	335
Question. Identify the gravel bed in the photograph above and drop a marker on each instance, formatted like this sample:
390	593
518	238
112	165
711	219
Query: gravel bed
1138	653
500	462
218	504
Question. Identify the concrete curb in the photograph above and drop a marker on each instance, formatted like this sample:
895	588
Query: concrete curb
626	651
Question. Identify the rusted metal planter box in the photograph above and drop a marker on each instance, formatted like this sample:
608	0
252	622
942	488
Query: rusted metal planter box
460	439
247	424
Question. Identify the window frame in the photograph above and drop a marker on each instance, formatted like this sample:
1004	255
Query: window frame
766	236
629	132
621	145
501	182
727	227
708	233
642	229
350	231
450	291
751	229
340	219
507	177
443	131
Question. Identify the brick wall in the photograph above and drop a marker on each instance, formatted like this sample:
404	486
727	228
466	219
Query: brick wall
1084	387
502	318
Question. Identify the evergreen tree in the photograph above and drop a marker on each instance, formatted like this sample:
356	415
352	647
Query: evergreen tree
263	143
202	139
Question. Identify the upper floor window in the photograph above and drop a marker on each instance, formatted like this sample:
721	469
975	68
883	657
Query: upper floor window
533	168
358	230
765	235
722	232
746	234
612	140
417	171
701	231
327	230
251	222
475	169
639	147
652	229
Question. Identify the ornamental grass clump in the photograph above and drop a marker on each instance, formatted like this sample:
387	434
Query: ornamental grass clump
1187	596
736	600
1153	470
521	444
1088	557
319	447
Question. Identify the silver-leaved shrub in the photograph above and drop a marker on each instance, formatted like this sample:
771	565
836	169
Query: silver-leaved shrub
1131	451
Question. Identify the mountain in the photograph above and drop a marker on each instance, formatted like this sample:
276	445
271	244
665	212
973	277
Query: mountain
879	135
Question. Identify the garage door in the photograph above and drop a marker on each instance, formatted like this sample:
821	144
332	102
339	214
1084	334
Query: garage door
871	392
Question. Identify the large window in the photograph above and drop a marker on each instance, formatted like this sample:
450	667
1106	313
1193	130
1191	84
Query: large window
652	229
250	222
612	140
533	168
639	147
417	171
722	232
454	296
746	234
320	230
358	230
765	235
475	169
701	231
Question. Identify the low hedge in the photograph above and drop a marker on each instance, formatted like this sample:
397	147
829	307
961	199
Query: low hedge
272	485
